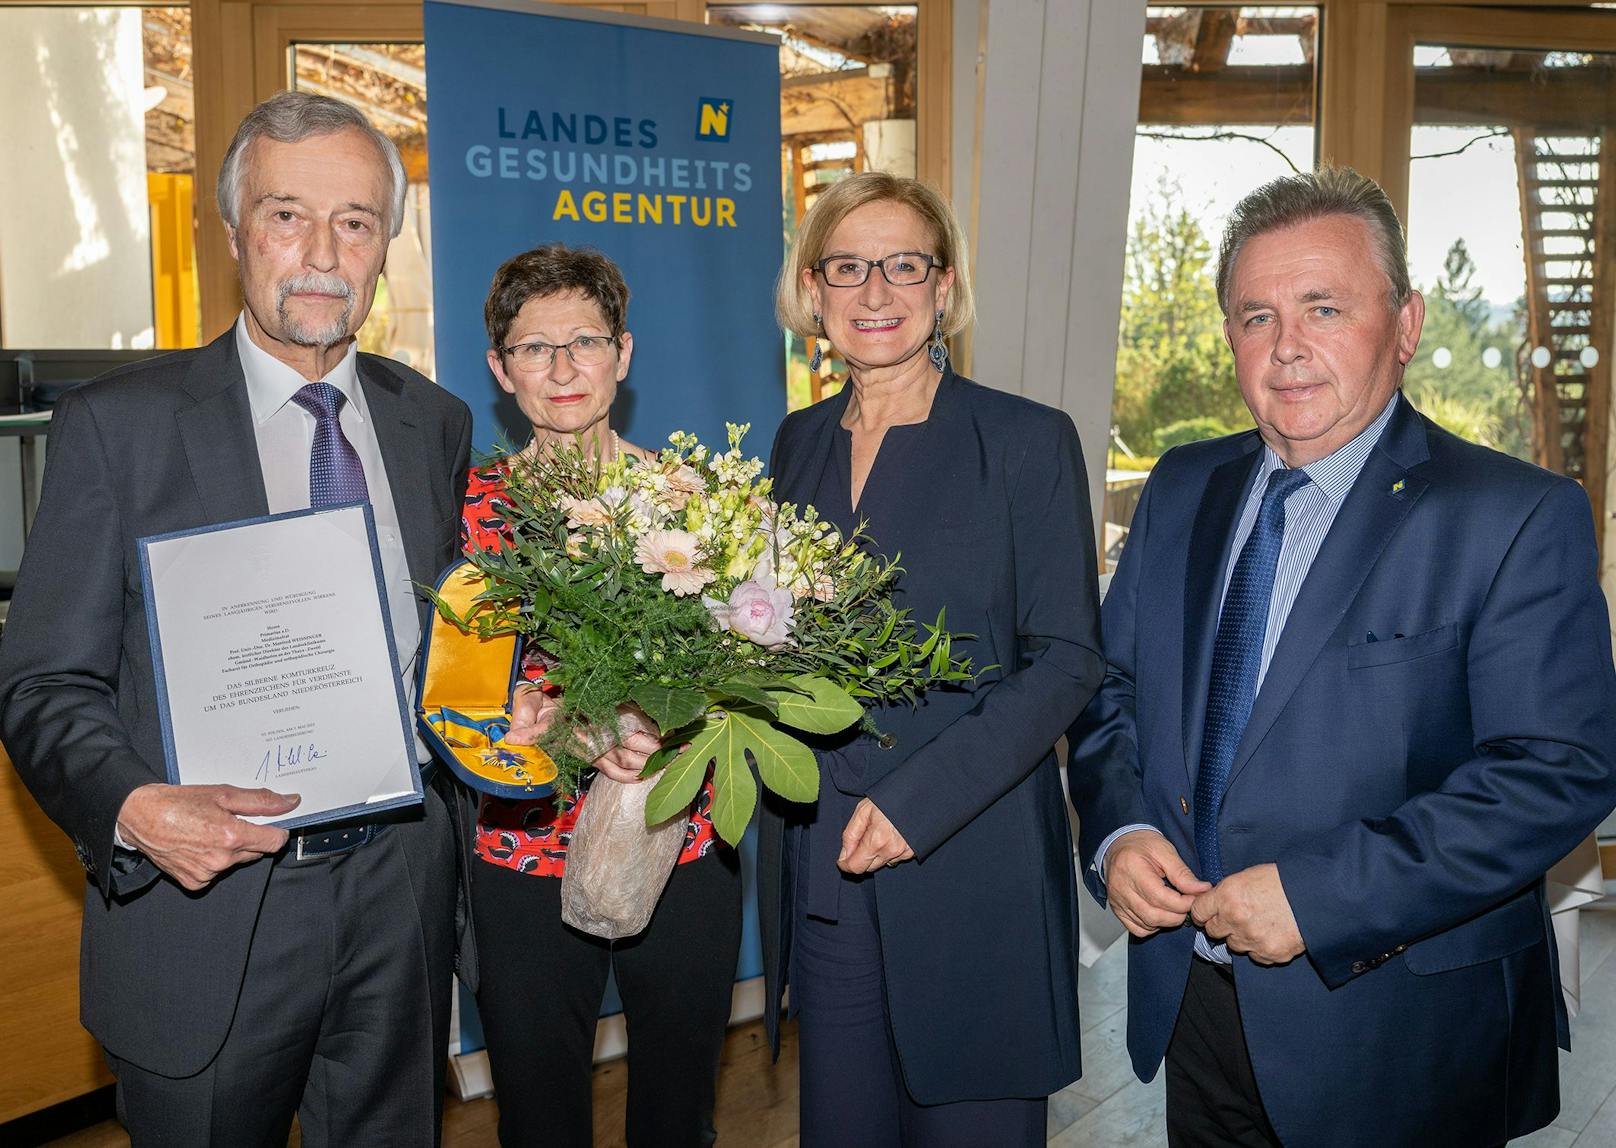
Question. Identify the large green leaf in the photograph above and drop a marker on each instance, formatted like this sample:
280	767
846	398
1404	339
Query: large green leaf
785	764
658	760
827	709
682	777
669	706
734	788
743	691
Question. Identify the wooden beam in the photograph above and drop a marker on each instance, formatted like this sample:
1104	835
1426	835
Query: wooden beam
833	102
1567	98
1582	99
1212	40
1237	95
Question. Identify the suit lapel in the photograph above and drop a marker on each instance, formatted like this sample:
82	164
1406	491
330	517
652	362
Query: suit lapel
406	457
220	444
1376	506
804	474
1210	540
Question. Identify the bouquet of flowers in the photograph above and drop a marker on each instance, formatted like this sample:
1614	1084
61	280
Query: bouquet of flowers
731	622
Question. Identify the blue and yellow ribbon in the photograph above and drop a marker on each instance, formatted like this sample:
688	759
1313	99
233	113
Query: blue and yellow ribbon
479	744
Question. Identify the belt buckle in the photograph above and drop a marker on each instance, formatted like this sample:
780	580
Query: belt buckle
338	844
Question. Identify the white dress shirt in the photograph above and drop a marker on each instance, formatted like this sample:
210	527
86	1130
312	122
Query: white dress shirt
285	433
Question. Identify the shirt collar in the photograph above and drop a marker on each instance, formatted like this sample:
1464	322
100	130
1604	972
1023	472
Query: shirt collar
1335	473
271	383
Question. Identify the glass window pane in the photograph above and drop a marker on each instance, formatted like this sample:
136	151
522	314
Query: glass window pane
1226	104
96	195
1504	185
387	81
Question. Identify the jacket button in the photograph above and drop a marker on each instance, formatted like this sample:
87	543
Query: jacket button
1360	967
1184	805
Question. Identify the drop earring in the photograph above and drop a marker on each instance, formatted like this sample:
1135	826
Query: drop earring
937	351
819	352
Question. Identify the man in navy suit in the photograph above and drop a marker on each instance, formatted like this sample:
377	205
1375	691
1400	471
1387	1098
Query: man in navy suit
1359	699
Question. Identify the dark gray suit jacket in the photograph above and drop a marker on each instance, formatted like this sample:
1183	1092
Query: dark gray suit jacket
164	445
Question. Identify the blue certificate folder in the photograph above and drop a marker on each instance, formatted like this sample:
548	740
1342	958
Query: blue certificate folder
272	686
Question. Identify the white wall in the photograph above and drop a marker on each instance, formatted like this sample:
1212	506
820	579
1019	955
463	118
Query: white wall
75	246
1044	186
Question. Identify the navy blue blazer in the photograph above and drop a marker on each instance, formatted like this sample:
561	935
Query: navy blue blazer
1436	729
979	933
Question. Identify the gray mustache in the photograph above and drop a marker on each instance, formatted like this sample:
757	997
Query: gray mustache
314	281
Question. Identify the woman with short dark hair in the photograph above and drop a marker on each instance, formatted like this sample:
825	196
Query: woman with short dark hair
558	343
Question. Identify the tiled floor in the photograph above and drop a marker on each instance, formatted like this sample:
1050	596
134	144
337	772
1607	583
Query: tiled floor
1108	1108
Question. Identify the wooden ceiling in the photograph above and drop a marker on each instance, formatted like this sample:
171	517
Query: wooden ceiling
840	66
1195	85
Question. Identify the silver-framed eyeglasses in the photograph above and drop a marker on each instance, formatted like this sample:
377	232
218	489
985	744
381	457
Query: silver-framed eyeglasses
584	351
903	269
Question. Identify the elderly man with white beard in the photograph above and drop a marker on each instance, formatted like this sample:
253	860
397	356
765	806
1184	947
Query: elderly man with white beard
236	975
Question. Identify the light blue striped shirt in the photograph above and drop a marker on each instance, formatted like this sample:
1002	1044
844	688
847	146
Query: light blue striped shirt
1309	514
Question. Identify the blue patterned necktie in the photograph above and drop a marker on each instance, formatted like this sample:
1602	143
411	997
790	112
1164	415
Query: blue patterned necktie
1236	657
336	475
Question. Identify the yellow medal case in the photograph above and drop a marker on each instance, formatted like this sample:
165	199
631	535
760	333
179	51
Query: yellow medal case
464	698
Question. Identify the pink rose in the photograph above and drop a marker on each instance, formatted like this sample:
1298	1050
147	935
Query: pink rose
757	610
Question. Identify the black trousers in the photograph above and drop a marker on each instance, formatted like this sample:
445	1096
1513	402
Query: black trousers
343	1016
542	984
852	1089
1212	1097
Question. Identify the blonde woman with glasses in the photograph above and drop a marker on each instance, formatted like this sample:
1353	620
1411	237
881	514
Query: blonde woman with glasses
924	910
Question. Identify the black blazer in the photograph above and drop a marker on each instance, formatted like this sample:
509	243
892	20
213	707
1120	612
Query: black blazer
979	933
163	445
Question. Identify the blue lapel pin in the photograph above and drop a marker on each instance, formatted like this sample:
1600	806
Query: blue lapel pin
1397	487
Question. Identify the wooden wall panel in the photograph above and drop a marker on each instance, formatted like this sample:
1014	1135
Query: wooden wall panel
45	1056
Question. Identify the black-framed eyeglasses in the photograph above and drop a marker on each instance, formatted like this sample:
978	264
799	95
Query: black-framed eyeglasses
903	269
584	351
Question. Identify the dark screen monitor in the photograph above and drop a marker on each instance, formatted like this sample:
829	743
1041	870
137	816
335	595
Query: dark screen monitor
34	380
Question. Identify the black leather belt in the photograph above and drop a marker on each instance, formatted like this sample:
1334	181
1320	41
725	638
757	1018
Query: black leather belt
333	842
316	843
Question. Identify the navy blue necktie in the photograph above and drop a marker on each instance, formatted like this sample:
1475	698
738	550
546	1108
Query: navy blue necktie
1236	657
336	475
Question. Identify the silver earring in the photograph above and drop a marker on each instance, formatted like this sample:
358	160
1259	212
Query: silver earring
819	352
937	351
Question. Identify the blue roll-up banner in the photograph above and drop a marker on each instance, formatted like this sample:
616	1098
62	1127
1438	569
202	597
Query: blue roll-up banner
657	142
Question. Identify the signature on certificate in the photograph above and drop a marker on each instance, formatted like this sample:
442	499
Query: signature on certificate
285	756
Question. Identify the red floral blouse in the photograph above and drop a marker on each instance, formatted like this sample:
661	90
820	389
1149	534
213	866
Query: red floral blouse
532	836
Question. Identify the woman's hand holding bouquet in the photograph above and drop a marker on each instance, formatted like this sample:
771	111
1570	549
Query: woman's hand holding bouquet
729	623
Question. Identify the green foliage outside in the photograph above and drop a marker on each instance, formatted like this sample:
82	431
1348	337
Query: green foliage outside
1175	375
1189	430
1172	363
1480	403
